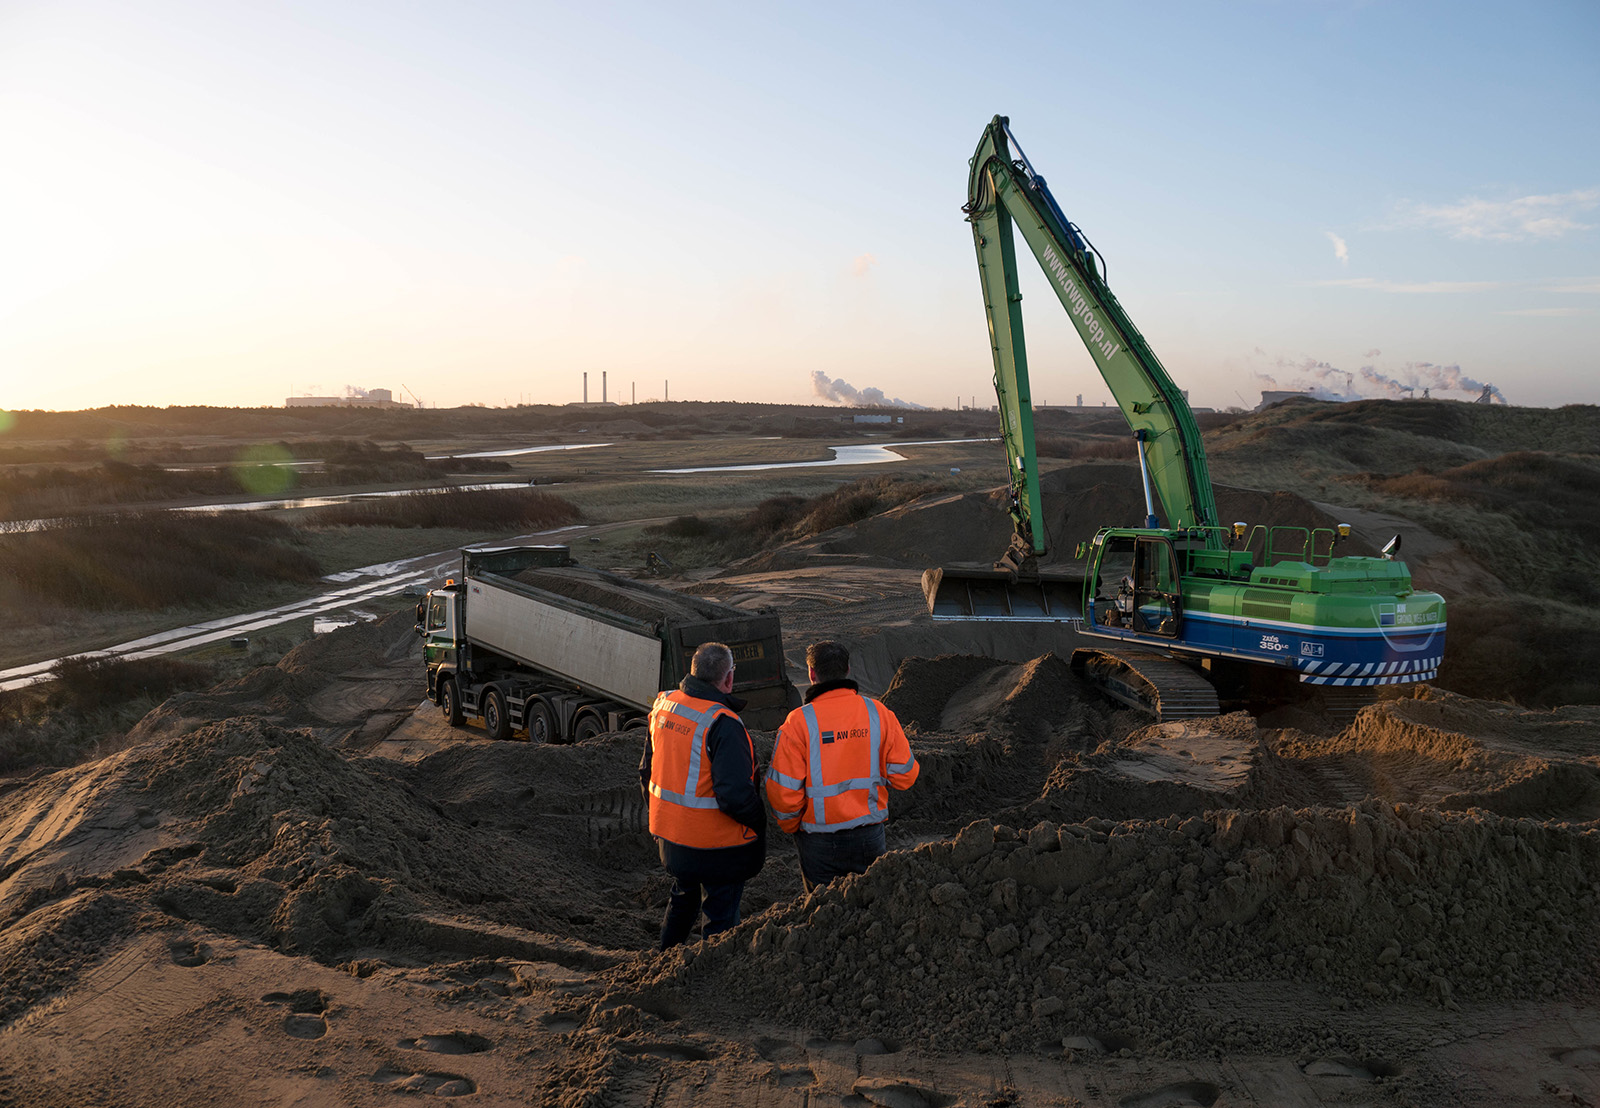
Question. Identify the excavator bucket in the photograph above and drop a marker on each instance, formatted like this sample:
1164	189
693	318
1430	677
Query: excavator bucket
1049	596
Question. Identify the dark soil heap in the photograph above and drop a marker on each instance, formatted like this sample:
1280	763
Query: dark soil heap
623	595
1152	934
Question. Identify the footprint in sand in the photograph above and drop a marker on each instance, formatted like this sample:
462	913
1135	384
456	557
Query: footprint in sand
1369	1070
671	1051
1182	1094
190	954
306	1007
788	1062
434	1084
448	1042
559	1023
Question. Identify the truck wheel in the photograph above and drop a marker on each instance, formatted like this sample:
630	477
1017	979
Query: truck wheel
541	722
588	726
450	702
495	720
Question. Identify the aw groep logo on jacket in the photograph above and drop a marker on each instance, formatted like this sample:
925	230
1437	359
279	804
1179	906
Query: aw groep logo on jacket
835	759
683	809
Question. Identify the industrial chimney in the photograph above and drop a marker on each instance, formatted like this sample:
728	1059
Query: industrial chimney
602	386
586	386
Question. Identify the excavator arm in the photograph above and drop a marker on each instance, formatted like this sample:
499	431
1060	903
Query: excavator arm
1004	193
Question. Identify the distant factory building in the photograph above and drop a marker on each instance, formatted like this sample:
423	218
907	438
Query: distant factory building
1269	398
353	398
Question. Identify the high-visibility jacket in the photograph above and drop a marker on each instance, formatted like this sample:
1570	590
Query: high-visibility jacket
683	807
833	759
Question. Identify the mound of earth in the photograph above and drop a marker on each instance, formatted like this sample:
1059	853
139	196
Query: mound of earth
295	888
1457	753
1188	935
1077	501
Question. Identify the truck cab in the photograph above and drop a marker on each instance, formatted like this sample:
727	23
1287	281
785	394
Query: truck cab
439	623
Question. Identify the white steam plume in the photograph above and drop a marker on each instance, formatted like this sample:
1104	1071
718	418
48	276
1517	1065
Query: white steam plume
840	392
1326	381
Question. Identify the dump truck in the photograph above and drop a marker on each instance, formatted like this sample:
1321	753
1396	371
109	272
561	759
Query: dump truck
526	640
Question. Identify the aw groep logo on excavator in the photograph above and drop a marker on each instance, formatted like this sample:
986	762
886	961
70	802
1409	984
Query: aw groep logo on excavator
1080	303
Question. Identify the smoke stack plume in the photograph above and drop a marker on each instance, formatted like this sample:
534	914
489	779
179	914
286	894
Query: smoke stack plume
840	392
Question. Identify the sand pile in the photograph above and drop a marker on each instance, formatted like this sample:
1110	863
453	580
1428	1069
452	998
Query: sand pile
1067	879
1456	753
1077	500
287	692
269	835
1149	934
626	596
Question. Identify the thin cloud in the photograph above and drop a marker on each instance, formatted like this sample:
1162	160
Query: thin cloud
1376	285
863	264
1515	220
1341	249
1582	286
1546	312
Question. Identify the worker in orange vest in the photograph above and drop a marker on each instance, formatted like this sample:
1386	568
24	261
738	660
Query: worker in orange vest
835	755
699	777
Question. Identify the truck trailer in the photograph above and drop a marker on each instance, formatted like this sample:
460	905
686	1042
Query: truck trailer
526	640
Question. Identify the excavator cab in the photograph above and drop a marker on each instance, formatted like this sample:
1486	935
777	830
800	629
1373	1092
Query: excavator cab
1133	584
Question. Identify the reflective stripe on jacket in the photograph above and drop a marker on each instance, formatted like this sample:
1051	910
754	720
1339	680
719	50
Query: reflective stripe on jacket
833	760
683	807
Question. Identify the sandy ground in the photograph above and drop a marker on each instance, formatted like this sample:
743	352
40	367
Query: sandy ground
302	888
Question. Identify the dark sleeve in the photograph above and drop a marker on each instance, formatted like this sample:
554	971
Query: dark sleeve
644	768
733	774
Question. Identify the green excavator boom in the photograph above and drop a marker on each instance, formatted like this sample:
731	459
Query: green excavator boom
1003	192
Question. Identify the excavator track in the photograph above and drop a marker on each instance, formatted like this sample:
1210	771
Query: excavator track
1160	685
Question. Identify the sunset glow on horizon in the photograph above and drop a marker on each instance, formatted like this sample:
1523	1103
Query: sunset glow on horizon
234	204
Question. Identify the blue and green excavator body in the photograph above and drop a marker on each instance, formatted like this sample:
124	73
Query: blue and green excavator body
1193	606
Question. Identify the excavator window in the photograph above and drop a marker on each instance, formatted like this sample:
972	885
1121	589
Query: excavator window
1156	589
1115	565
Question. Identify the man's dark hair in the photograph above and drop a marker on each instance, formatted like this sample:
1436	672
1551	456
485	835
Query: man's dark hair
712	662
830	660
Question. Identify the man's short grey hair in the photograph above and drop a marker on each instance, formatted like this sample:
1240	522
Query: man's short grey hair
712	662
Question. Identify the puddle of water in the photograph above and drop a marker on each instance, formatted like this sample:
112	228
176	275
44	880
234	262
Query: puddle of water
350	498
520	450
853	455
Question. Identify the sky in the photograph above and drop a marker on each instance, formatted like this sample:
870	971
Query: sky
233	203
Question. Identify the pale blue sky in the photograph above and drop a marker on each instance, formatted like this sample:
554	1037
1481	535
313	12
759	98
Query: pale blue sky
230	203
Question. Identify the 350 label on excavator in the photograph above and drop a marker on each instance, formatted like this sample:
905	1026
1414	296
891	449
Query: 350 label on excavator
1273	643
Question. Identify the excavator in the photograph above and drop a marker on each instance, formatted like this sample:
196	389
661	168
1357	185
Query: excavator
1193	612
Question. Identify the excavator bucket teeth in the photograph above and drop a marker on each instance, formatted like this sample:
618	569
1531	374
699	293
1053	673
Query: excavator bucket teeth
958	593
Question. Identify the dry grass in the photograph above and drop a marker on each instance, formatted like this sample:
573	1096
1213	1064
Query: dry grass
32	492
86	709
1085	449
153	560
1529	650
786	517
482	509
